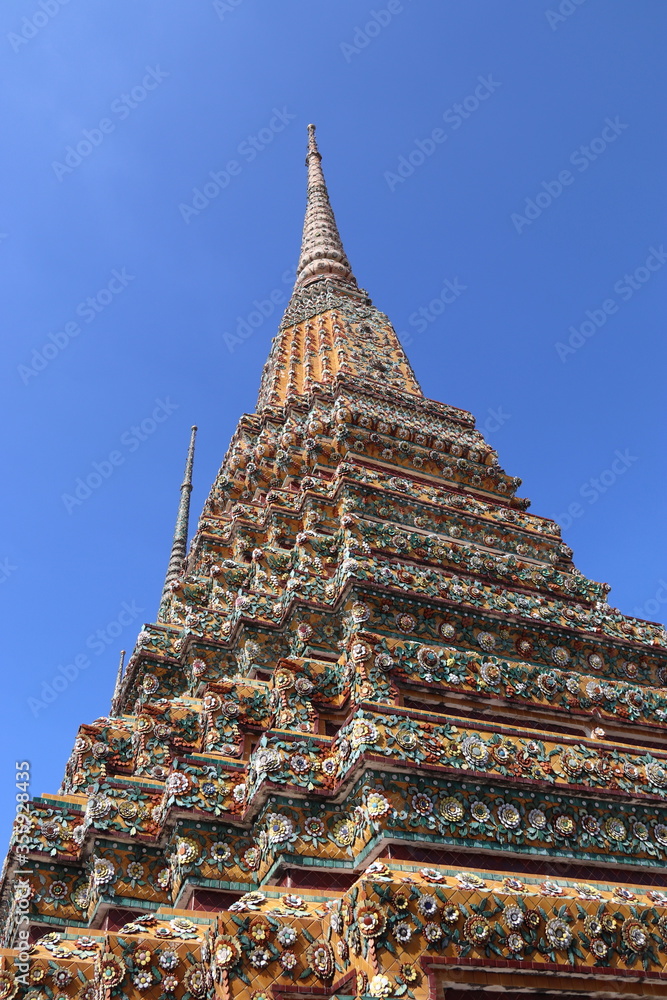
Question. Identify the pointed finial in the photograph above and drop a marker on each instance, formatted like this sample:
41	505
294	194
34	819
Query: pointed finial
180	540
115	701
322	253
312	143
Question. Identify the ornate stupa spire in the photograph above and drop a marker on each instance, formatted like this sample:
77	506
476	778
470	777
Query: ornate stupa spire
322	253
351	340
362	751
180	540
115	701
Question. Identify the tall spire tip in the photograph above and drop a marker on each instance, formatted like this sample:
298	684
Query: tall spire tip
322	254
180	539
312	144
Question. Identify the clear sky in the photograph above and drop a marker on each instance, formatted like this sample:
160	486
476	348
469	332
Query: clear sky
497	173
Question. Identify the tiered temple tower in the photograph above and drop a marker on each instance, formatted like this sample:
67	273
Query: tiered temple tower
384	740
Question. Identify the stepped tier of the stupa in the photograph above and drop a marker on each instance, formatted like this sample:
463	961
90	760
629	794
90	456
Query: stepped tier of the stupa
384	739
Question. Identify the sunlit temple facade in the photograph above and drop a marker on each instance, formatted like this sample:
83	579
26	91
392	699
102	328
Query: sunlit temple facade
384	739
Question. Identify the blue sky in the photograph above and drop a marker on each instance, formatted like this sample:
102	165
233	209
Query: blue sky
497	174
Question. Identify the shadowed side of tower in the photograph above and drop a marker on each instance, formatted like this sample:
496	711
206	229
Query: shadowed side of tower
385	740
